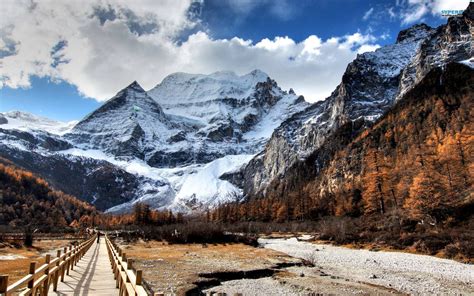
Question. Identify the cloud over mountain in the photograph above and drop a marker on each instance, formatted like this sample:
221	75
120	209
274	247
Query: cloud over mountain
101	46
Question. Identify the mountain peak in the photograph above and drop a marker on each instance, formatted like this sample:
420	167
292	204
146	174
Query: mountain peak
413	33
135	86
258	75
257	72
184	87
469	12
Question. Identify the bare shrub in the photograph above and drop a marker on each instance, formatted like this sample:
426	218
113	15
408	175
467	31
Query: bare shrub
338	229
311	258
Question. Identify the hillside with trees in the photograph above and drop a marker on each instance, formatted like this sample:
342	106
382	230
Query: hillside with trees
29	201
411	172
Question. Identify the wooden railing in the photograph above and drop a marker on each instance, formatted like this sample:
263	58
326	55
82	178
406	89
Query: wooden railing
128	280
39	280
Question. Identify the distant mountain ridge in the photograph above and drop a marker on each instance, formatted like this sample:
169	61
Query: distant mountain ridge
26	121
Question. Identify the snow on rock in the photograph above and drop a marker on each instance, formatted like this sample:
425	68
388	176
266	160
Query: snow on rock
205	188
250	106
181	88
183	188
185	133
25	121
468	62
125	124
177	139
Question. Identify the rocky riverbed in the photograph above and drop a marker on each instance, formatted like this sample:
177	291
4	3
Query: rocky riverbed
340	270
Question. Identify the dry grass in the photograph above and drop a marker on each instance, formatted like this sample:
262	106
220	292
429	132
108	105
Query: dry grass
18	268
173	268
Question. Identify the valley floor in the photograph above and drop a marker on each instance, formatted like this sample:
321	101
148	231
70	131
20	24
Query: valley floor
15	259
278	269
351	270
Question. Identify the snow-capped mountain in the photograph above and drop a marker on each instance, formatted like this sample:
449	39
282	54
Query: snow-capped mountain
227	105
126	125
168	146
188	119
28	122
195	140
371	84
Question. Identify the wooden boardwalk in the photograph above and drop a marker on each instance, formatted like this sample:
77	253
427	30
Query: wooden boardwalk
91	276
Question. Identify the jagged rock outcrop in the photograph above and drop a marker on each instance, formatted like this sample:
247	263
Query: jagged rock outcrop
370	86
407	180
451	42
416	159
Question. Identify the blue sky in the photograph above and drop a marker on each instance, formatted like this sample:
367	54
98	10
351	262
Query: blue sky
92	50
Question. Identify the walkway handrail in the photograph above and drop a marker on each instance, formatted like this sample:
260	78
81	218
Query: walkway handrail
127	280
39	279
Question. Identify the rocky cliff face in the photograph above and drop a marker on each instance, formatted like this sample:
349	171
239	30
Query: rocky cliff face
405	181
371	85
451	42
416	159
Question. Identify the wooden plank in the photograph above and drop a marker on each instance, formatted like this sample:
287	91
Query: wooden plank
19	283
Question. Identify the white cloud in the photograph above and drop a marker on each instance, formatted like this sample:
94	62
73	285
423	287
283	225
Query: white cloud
414	10
367	14
391	13
100	57
367	48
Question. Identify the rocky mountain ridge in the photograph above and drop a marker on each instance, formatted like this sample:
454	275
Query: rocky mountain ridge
141	151
371	85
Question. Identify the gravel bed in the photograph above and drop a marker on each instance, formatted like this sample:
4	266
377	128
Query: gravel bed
253	287
409	273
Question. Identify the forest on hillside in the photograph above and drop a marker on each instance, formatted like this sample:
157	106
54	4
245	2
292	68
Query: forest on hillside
410	173
417	160
28	201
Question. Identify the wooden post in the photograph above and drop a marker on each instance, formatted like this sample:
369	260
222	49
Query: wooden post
73	255
3	284
63	266
56	274
32	272
129	267
46	272
139	277
68	261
